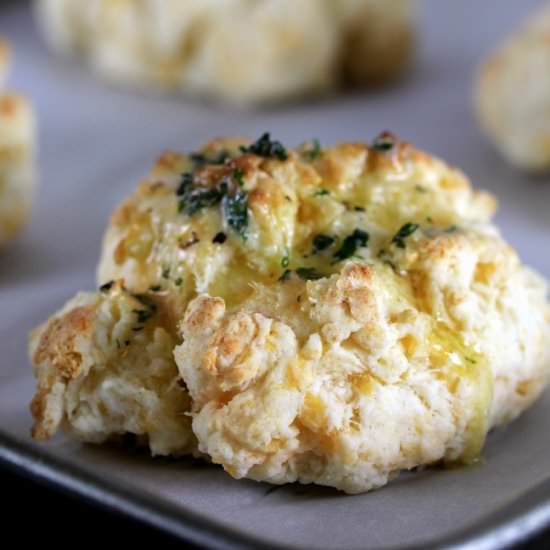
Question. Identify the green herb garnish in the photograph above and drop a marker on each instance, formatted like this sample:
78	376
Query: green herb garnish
143	314
155	288
315	151
197	199
405	231
322	242
234	203
285	260
150	308
308	273
383	143
178	281
357	239
165	272
194	198
265	147
235	212
238	176
185	184
285	276
321	193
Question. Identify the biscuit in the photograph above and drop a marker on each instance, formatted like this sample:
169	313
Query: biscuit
368	288
337	314
17	152
235	50
512	94
104	368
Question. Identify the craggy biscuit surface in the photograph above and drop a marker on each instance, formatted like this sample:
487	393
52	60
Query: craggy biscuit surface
512	94
378	372
367	288
235	50
104	368
17	170
337	314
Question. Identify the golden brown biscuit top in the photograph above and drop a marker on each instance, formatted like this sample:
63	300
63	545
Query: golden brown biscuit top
239	212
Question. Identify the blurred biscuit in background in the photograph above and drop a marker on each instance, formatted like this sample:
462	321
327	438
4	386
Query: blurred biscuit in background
512	94
17	167
235	50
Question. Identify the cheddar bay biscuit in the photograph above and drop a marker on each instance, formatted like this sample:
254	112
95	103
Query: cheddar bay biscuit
512	94
337	314
235	50
17	155
104	368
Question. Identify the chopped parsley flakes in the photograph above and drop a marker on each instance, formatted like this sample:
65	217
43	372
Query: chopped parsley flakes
185	185
384	142
227	192
266	147
404	232
143	315
357	239
195	198
235	212
285	276
315	151
238	176
322	242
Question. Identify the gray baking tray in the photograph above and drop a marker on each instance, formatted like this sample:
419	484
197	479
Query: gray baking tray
96	142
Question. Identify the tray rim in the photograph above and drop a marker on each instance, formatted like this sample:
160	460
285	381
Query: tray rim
523	518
